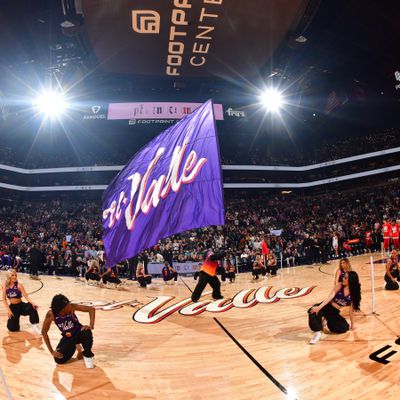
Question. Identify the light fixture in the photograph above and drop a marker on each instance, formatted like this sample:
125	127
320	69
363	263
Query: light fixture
271	99
52	104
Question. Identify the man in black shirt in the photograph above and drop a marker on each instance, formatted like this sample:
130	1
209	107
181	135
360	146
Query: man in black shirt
35	257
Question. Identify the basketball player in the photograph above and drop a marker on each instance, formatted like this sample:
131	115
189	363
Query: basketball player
73	333
395	234
13	292
386	231
208	275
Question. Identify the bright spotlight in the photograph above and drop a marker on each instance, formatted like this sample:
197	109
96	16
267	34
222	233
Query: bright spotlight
272	100
52	104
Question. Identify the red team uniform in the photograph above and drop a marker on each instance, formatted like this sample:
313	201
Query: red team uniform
386	232
395	235
368	239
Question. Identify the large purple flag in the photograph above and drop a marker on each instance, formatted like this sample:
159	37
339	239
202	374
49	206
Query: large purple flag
171	185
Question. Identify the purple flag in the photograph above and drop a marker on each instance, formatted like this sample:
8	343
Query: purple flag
171	185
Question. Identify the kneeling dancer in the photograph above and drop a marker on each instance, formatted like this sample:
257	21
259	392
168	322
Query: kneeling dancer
73	333
344	294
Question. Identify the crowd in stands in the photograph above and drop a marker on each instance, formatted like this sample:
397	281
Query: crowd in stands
298	228
317	151
309	153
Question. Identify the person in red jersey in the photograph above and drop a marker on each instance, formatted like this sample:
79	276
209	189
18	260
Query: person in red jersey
395	234
386	231
368	239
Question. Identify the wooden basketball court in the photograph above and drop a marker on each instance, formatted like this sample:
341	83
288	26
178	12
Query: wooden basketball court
255	346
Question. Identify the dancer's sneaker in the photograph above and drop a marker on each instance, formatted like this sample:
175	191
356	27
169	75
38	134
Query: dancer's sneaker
36	329
89	363
316	338
218	297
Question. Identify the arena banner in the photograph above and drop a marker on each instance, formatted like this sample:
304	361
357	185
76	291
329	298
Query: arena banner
187	267
171	185
189	38
156	110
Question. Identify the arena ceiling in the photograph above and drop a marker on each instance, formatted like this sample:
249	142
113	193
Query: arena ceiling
202	48
199	38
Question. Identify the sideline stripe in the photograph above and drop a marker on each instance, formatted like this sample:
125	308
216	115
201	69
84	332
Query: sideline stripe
191	291
260	367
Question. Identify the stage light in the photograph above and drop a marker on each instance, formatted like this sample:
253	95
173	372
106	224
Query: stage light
271	99
52	104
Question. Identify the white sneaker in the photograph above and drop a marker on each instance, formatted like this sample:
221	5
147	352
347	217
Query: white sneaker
36	329
88	362
316	338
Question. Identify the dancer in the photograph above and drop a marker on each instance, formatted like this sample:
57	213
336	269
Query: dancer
73	333
143	278
230	271
345	294
272	266
93	272
208	275
344	266
14	291
169	273
111	276
258	268
392	272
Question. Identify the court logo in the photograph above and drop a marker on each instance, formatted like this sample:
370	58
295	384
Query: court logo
381	356
146	21
158	309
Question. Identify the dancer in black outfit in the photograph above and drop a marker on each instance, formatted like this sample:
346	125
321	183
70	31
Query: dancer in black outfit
73	333
169	273
392	275
13	291
344	294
